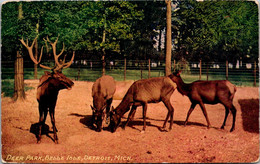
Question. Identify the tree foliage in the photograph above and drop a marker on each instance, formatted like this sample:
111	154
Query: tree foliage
218	30
209	30
78	24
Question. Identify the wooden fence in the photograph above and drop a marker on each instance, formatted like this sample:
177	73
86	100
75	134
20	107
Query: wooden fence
241	74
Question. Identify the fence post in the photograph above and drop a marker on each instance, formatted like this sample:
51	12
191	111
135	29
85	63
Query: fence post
103	65
207	72
78	73
226	70
174	62
200	69
149	68
141	66
254	73
125	69
91	65
19	93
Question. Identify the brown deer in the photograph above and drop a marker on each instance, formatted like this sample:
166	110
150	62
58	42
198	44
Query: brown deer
141	93
102	92
208	92
50	85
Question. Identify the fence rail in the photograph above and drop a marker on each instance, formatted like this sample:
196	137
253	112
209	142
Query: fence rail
241	74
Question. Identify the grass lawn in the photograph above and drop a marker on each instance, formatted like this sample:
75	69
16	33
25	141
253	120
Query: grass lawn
83	74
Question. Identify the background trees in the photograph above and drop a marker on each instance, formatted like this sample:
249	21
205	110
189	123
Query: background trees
218	30
211	30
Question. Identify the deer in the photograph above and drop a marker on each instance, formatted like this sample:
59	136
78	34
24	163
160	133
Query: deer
103	90
49	84
140	93
208	92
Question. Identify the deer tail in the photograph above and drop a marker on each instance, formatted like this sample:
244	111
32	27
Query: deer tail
232	92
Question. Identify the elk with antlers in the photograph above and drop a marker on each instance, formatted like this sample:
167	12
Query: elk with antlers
50	85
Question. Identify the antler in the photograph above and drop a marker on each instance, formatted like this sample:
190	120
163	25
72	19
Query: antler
30	51
66	65
60	64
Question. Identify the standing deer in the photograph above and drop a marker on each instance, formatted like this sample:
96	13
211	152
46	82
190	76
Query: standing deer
142	92
50	85
208	92
102	92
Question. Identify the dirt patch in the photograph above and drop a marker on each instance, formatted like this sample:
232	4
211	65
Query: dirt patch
80	144
250	114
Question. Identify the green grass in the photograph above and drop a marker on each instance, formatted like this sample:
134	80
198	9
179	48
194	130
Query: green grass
237	78
8	87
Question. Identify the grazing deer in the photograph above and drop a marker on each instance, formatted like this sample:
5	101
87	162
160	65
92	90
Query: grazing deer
208	92
102	92
142	92
50	85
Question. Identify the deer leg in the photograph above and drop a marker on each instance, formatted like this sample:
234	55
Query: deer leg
234	111
144	114
226	114
205	113
109	102
189	112
93	120
130	115
170	113
42	117
53	124
39	136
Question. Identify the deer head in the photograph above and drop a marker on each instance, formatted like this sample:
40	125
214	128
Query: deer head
114	120
175	76
59	64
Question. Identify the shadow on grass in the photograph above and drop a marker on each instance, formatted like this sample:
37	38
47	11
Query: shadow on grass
250	114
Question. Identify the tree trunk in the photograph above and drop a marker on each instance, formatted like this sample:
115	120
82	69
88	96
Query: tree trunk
125	70
103	53
36	52
19	93
168	39
36	58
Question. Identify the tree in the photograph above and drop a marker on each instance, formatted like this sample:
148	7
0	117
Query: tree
209	30
217	30
169	39
145	31
19	93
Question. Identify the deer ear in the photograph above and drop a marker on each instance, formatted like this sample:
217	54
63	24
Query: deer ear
44	78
